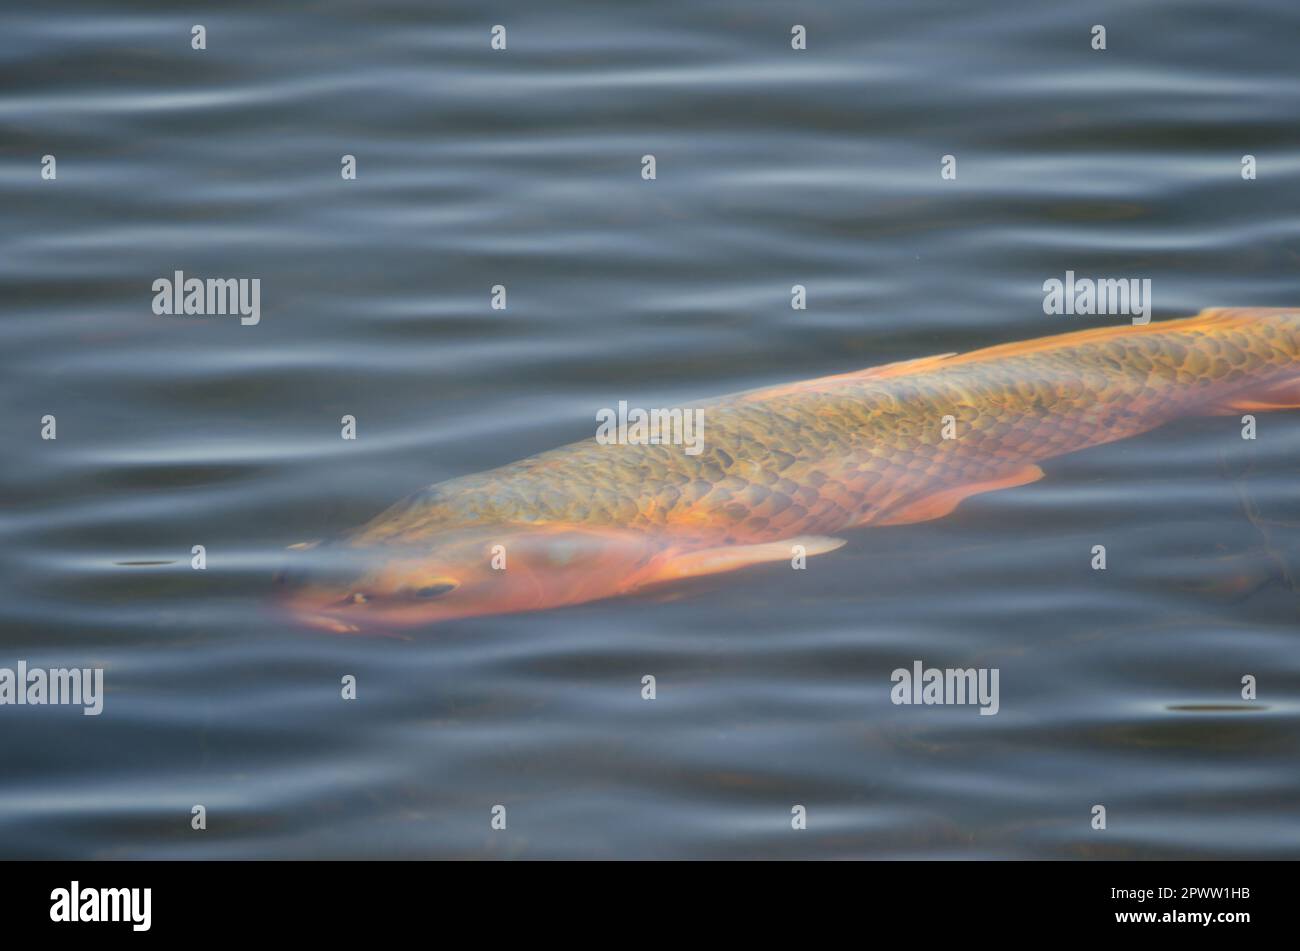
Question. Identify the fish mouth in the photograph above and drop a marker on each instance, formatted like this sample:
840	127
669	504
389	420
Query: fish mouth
312	613
302	592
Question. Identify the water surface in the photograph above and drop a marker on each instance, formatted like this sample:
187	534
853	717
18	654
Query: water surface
522	168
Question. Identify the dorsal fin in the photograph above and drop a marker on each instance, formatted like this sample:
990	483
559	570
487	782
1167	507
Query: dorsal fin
884	371
1213	317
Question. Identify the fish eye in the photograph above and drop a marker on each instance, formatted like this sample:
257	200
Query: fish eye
434	590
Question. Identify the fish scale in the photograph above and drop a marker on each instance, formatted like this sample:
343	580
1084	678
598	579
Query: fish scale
864	448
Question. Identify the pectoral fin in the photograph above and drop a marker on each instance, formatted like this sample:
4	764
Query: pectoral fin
709	561
941	503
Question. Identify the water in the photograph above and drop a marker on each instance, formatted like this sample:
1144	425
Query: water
522	168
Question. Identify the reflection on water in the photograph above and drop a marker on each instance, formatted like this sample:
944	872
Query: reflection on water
522	168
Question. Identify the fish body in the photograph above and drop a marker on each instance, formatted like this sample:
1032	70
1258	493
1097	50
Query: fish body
794	465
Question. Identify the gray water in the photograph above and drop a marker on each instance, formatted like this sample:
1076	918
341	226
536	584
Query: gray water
522	167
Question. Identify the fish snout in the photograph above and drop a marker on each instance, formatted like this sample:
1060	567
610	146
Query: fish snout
309	580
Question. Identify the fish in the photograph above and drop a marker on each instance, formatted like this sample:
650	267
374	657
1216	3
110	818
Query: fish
783	472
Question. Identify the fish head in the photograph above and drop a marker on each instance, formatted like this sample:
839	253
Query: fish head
352	587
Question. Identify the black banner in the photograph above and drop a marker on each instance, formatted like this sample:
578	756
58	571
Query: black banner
333	900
